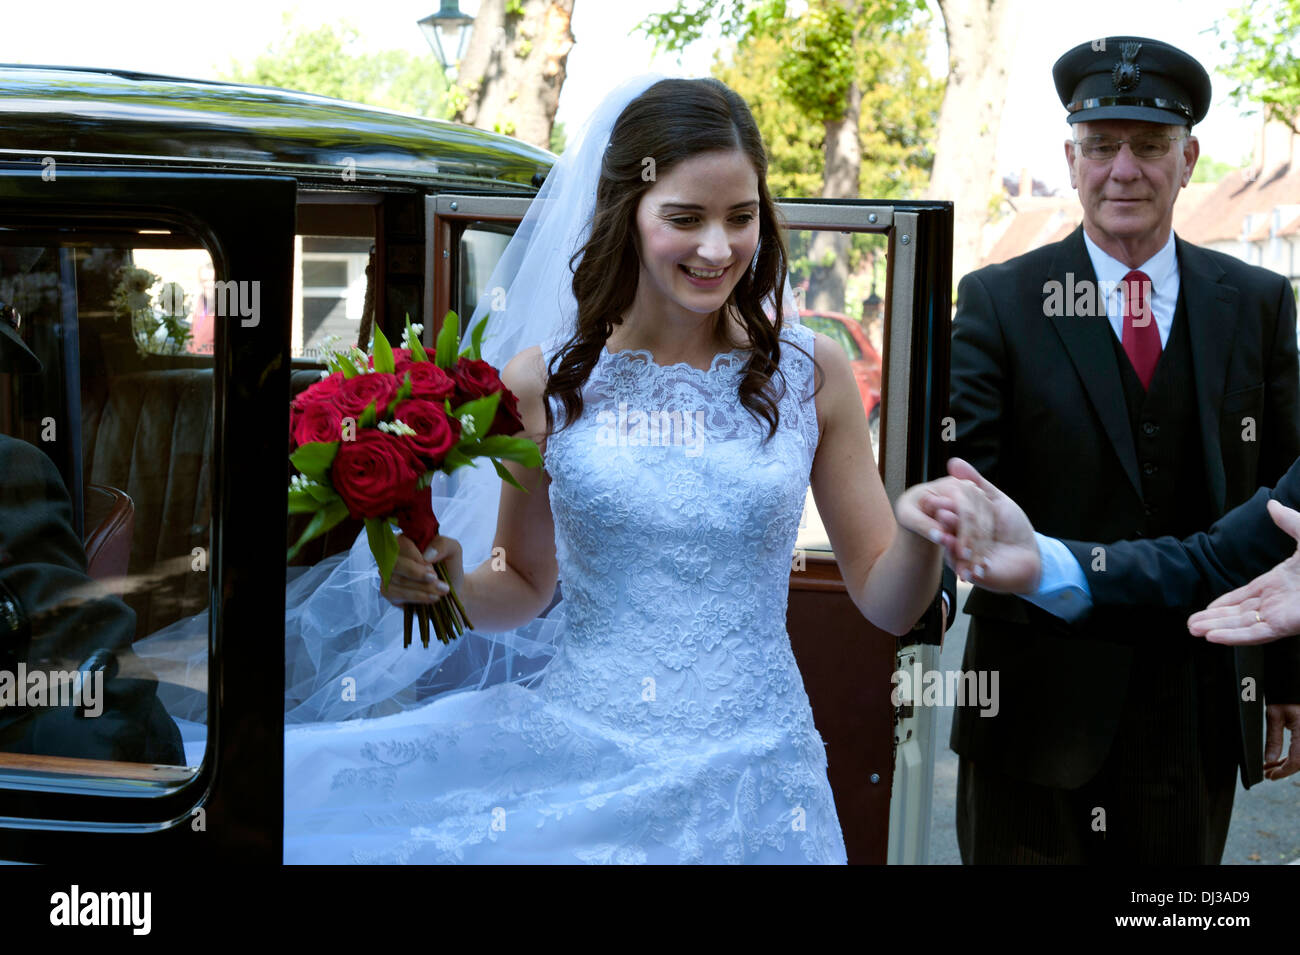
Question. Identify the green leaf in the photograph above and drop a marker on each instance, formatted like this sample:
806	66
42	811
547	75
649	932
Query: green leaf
383	354
475	349
512	449
342	361
413	342
448	341
322	493
476	416
507	476
325	518
383	545
369	417
302	502
403	393
314	459
455	459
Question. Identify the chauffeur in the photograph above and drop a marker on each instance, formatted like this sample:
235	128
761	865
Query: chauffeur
43	629
1118	738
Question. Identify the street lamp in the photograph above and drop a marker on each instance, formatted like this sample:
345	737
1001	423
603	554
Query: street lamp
448	33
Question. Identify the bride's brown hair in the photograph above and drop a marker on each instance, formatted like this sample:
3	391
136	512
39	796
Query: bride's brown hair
671	121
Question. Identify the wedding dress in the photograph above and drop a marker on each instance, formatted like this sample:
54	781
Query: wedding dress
671	725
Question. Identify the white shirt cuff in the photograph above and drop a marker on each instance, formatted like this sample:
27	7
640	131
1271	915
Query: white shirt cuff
1063	588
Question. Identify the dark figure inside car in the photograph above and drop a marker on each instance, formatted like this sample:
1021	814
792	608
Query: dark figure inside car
69	684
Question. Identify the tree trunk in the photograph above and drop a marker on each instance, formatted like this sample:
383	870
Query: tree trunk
843	160
981	34
514	68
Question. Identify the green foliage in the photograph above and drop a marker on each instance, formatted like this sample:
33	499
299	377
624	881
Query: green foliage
687	22
1210	170
778	74
383	544
1264	43
325	60
559	138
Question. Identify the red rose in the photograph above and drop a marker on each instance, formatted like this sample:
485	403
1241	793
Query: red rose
326	389
436	432
416	519
428	381
474	378
359	391
375	474
318	421
507	420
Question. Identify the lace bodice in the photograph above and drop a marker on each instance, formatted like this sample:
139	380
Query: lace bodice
674	527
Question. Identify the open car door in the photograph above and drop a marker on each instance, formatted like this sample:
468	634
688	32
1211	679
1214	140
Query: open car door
141	476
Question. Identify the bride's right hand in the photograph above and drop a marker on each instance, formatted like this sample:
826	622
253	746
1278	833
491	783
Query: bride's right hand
414	581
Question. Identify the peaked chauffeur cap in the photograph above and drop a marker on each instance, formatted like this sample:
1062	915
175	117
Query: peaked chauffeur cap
1132	77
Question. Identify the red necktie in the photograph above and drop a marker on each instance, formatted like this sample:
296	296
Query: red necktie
1141	337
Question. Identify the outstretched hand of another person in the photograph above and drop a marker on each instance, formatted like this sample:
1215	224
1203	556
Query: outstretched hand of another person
951	509
414	580
1001	554
1267	608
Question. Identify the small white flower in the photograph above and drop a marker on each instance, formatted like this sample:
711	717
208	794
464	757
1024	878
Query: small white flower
398	426
418	329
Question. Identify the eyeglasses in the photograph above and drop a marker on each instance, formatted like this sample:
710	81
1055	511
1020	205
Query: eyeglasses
1142	147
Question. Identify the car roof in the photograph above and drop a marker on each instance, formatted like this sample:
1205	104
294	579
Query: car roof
128	118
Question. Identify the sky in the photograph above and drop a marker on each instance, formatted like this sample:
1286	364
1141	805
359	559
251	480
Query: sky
164	36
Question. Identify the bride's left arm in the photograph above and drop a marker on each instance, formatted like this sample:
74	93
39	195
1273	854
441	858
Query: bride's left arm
890	572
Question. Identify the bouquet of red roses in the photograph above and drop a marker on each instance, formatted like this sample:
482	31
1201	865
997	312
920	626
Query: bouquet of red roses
369	436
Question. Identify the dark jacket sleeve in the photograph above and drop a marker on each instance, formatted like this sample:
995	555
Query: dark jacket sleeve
1167	572
51	619
43	569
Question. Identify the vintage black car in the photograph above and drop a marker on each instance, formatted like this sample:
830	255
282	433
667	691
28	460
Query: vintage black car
176	253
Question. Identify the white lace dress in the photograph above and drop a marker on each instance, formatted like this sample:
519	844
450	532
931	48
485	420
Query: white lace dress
672	725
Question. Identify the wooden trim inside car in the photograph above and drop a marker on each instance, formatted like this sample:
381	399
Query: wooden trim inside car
95	768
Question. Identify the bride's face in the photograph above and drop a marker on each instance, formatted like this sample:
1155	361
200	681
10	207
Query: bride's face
698	230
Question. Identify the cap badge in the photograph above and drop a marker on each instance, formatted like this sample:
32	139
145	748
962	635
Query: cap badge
1126	74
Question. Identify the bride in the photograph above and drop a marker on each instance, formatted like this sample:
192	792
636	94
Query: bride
656	714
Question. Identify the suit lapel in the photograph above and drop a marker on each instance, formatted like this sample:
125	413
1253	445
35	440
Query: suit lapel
1088	342
1211	309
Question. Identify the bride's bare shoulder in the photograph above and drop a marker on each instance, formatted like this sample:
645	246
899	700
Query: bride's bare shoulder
525	375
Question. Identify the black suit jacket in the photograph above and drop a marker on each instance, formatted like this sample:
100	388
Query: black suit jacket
1040	411
45	627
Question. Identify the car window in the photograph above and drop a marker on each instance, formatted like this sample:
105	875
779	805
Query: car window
105	470
330	281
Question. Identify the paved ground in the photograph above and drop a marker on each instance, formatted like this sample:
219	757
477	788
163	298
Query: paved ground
1265	820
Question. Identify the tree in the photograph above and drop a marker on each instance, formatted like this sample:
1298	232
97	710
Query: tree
818	73
820	78
1264	43
980	40
899	107
514	68
324	60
